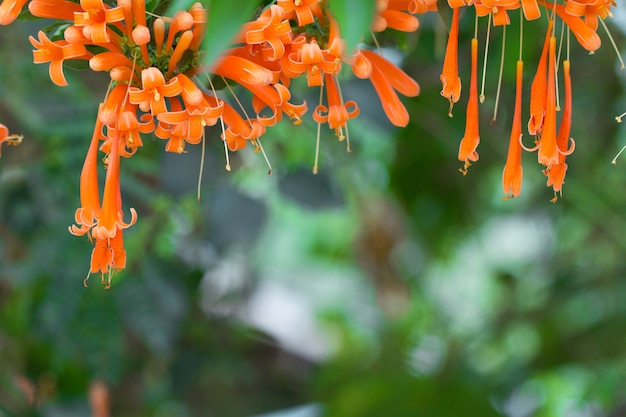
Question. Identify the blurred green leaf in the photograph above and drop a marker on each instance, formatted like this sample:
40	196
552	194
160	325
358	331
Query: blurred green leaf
354	18
224	22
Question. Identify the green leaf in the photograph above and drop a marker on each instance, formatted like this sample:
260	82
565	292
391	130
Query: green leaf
224	22
354	18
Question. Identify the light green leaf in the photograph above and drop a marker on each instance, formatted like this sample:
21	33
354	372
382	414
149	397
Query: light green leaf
354	18
225	20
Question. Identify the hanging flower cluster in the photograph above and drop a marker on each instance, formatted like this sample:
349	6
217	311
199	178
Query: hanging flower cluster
552	144
161	86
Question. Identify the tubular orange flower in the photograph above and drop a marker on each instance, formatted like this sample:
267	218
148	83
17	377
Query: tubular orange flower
241	69
130	130
54	9
199	14
106	61
471	139
9	10
556	172
586	36
538	88
110	109
107	256
450	74
111	218
152	96
196	117
305	11
95	18
238	139
337	113
270	32
386	78
548	151
88	214
239	131
181	46
181	21
393	15
590	9
309	58
512	174
55	53
265	97
498	10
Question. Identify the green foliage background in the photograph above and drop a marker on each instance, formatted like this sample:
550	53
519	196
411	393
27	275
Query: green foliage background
432	296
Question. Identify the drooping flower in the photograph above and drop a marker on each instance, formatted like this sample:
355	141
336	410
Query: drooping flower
547	150
337	113
88	214
386	79
111	217
556	172
450	75
539	87
471	139
512	173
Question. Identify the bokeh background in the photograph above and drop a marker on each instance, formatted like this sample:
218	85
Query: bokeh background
387	285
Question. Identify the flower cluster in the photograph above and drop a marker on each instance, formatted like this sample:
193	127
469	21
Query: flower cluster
578	17
161	85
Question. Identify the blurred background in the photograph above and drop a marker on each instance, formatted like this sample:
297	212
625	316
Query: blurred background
387	285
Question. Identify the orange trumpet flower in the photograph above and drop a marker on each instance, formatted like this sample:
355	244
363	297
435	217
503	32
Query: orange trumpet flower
111	218
94	19
386	79
304	11
152	96
450	74
55	53
337	113
556	172
538	88
269	33
512	174
548	151
471	139
88	214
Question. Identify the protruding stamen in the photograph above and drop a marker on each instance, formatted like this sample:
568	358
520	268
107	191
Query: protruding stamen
317	141
614	161
495	108
267	161
619	56
482	88
618	119
202	153
227	167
